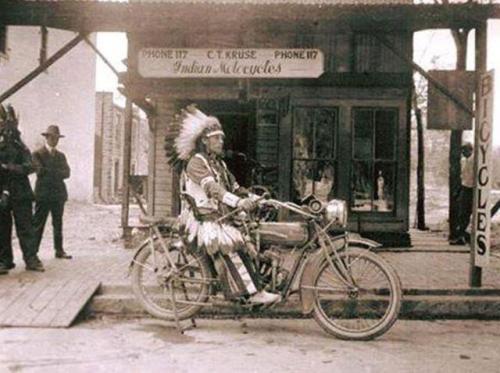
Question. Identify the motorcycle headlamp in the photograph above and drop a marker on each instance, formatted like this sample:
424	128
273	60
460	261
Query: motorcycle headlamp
336	211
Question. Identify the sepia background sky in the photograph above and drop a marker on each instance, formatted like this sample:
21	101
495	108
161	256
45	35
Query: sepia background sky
432	49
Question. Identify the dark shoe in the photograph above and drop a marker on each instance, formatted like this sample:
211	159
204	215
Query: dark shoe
63	255
458	241
34	265
11	265
3	269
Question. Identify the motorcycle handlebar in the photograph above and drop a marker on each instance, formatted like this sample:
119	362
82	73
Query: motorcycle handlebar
274	202
289	206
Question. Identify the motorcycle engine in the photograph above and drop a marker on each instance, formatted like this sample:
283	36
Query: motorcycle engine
272	267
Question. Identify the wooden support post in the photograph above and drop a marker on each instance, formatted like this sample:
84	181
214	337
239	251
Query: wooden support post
475	274
454	172
44	33
454	181
126	156
32	75
420	168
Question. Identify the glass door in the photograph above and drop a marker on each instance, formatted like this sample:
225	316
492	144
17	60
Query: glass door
374	162
314	161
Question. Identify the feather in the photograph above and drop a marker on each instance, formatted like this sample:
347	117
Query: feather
183	132
3	114
11	115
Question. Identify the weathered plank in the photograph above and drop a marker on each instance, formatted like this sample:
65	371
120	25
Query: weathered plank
59	304
9	295
74	304
42	301
21	305
49	312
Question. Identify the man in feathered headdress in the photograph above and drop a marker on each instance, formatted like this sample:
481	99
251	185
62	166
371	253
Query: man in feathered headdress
196	143
17	195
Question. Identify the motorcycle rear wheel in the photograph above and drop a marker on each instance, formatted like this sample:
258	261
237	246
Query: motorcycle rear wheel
152	287
363	303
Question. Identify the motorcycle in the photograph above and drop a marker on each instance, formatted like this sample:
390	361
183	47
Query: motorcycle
351	292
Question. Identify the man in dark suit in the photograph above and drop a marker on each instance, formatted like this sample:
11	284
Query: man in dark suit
17	195
51	169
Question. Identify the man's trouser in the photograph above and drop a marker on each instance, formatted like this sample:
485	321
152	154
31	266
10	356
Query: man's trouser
465	199
42	210
21	212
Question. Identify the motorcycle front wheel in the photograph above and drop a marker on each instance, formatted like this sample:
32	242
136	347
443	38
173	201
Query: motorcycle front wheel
357	296
154	285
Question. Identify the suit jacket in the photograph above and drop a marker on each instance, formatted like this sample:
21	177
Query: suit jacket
16	181
51	170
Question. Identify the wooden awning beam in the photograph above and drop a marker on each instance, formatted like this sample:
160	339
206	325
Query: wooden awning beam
94	16
142	103
102	56
42	67
416	67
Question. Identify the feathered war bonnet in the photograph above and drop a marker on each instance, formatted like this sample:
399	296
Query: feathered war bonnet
184	132
8	122
8	116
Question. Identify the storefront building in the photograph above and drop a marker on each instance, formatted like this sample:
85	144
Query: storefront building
328	108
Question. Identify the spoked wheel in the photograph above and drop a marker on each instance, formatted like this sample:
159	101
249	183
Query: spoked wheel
358	299
154	282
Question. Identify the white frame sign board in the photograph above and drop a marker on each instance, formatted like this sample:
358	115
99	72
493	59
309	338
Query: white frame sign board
230	63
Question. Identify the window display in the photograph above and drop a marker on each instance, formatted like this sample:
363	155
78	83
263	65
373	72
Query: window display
374	161
314	161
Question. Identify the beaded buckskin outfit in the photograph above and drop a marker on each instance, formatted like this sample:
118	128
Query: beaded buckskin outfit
210	191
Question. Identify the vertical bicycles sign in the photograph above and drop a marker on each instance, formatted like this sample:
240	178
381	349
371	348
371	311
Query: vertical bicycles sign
482	171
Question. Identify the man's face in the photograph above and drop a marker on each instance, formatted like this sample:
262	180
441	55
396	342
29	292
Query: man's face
214	144
52	140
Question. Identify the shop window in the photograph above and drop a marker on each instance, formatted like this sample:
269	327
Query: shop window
314	153
374	161
3	41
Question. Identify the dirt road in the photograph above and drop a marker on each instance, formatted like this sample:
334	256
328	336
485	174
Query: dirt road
254	346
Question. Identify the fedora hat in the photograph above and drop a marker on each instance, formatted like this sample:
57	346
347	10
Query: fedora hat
52	130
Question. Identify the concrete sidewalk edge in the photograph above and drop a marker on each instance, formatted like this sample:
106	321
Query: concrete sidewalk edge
417	304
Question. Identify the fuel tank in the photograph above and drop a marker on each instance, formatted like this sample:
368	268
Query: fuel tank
285	234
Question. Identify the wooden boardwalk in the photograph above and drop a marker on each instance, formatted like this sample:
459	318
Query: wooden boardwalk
433	241
44	302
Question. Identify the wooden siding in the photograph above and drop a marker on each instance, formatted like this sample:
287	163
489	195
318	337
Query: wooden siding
267	132
371	56
162	179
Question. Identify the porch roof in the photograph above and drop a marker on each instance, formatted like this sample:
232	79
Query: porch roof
148	15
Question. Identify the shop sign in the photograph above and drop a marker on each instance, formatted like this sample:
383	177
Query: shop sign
442	112
481	219
230	63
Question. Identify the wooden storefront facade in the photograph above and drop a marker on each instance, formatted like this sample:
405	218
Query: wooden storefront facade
344	134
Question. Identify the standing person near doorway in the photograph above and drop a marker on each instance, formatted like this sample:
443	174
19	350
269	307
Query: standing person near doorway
460	236
51	169
16	201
